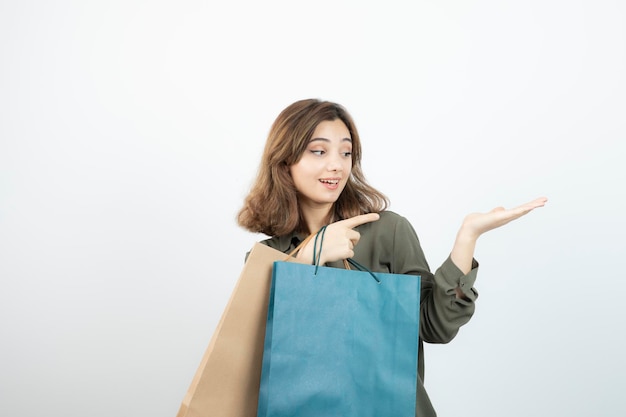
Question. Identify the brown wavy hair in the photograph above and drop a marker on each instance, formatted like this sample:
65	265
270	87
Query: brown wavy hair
272	207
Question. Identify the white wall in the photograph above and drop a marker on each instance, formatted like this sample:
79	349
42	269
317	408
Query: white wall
131	130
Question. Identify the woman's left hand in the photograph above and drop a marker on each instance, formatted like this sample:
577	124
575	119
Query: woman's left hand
476	224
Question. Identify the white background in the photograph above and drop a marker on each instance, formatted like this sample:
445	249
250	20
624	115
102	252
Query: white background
130	132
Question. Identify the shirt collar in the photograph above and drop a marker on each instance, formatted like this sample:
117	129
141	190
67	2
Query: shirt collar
290	242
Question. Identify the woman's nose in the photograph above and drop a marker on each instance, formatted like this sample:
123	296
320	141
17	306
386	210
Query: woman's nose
334	164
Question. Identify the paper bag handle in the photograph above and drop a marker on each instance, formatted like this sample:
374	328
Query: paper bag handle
346	262
300	246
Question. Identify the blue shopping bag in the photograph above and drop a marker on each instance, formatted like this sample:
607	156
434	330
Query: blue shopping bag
340	343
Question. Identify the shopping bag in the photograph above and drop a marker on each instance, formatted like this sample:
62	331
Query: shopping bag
340	343
226	383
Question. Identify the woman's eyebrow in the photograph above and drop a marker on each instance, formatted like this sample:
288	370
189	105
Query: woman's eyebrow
328	140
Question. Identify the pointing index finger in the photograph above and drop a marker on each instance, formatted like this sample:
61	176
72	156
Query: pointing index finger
355	221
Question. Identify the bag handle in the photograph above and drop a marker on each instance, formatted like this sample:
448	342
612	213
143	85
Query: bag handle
299	247
317	255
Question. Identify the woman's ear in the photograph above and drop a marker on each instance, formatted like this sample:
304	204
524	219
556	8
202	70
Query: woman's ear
286	169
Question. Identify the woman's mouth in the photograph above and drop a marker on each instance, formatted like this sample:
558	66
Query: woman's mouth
330	183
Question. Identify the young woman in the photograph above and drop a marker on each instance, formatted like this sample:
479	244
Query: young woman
310	176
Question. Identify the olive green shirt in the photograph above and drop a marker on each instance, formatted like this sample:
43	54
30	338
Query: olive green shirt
390	244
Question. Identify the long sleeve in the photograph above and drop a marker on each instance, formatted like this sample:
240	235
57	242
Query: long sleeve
391	245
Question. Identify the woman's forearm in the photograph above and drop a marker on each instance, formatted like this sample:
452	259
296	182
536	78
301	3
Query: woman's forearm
462	254
463	250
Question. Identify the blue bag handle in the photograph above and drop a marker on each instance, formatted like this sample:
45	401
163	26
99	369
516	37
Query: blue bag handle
317	255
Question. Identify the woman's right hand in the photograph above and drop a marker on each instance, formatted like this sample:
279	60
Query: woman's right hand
340	239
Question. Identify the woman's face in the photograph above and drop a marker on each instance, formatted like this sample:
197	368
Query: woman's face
324	168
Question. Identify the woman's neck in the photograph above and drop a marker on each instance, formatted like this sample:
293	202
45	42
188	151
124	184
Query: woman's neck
316	217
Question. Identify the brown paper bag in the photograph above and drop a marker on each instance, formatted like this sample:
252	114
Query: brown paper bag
227	381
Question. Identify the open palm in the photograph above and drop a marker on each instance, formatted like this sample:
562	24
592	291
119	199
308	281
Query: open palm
478	223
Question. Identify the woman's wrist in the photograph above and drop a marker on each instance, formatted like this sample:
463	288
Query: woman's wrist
467	233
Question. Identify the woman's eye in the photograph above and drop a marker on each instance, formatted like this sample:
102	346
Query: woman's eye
318	152
347	154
